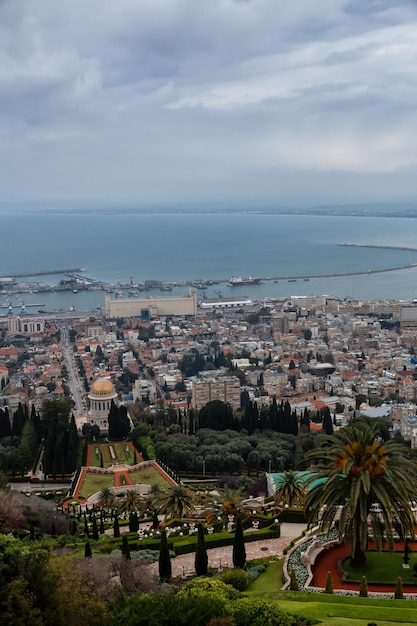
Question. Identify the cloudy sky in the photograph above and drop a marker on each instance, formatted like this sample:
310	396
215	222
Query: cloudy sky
260	101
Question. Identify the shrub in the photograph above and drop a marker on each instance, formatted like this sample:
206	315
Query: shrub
293	581
255	571
116	552
363	591
250	612
165	608
399	595
214	585
329	583
87	550
195	610
150	556
238	578
294	516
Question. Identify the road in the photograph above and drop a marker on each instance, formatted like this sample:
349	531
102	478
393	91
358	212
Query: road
74	383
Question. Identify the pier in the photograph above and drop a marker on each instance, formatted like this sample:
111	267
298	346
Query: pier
19	305
75	270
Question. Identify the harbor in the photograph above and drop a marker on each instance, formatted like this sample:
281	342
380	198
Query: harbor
72	281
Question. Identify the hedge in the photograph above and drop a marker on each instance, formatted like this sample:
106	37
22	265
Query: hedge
294	516
186	544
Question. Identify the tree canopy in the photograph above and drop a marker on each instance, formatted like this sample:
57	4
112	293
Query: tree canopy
366	481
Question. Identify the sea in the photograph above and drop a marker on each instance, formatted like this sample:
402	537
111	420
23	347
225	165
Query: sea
299	254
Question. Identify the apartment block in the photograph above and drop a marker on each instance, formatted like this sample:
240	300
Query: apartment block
207	389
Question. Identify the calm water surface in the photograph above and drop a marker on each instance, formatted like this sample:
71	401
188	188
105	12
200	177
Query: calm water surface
211	246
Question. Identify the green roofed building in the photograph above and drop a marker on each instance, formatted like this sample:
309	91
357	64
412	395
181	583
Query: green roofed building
273	481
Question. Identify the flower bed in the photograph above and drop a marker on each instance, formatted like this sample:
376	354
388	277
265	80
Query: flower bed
296	557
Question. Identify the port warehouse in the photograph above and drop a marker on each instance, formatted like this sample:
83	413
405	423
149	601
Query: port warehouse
225	303
147	308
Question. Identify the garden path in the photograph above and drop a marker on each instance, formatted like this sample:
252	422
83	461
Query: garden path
254	550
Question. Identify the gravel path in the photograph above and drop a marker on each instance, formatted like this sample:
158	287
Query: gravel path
184	563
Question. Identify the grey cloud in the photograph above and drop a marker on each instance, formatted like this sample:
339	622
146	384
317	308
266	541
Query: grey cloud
372	7
213	92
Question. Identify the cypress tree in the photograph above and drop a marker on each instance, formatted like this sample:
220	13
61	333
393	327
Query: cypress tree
86	531
124	422
113	421
363	591
36	421
5	428
239	551
327	422
329	583
155	520
399	595
95	529
53	530
201	558
87	550
101	525
125	548
116	529
293	581
294	424
74	528
165	570
18	420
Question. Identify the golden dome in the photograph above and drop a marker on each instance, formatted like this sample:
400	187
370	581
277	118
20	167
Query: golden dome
102	387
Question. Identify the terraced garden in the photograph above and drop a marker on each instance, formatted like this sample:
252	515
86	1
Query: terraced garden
107	454
92	481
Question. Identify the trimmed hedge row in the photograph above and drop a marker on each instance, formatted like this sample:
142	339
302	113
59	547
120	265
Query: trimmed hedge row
184	545
293	516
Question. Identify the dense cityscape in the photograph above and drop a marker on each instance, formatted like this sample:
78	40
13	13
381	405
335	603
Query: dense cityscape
208	313
200	416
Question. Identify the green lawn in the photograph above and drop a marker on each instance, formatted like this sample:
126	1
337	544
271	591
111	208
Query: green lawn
332	610
95	482
148	476
383	568
122	451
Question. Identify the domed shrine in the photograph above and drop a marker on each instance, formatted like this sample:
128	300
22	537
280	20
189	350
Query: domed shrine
102	392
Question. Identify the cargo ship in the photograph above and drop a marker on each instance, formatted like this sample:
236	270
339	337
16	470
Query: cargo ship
234	282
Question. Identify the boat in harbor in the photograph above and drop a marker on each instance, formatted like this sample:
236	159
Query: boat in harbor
237	281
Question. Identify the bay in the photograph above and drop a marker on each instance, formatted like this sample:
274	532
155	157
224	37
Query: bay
185	247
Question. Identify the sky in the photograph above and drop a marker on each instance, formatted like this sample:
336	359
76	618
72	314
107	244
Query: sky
287	103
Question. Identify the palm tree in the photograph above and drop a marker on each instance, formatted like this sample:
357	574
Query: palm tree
290	490
131	501
230	501
151	500
365	480
177	502
106	497
227	502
